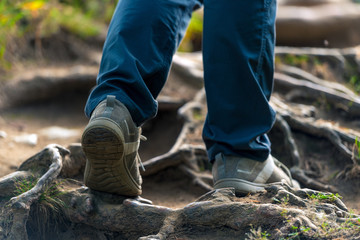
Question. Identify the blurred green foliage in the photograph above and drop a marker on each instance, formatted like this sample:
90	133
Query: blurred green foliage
352	74
355	82
193	36
41	18
36	19
296	59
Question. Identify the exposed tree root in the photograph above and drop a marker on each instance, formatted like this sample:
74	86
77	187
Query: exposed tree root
19	206
218	213
186	156
280	210
298	73
289	141
296	88
288	122
40	86
294	83
54	153
334	136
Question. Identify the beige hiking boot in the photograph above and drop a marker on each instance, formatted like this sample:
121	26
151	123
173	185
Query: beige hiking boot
249	176
111	142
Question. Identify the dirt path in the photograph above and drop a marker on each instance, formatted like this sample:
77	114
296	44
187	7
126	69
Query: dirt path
169	188
34	119
66	112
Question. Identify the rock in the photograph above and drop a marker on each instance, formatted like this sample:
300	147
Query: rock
29	139
3	134
278	212
56	132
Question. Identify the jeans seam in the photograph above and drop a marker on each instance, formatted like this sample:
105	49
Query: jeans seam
168	55
264	33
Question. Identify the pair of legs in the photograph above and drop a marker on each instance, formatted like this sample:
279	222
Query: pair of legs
238	57
238	52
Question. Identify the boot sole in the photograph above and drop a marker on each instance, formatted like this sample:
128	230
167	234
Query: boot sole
103	145
242	187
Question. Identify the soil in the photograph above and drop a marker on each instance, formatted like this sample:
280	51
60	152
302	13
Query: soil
168	189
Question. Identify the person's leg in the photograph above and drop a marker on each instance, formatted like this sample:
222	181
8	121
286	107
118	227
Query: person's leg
142	38
238	54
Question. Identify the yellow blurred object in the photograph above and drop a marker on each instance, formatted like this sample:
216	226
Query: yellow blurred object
33	7
3	19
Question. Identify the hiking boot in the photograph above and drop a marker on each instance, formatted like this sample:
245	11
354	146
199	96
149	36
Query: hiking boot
247	175
111	142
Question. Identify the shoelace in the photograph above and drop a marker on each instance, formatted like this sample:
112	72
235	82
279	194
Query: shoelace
142	138
283	167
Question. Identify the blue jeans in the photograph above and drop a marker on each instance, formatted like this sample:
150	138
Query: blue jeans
238	56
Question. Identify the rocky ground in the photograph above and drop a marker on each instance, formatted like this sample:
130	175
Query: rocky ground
41	191
313	136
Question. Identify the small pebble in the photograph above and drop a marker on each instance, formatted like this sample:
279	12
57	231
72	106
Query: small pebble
56	132
29	139
3	134
339	214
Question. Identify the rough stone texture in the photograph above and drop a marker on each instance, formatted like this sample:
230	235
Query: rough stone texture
54	204
278	212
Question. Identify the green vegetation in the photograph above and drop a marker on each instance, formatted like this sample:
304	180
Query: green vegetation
326	229
49	197
284	200
36	19
351	224
41	18
352	74
325	196
80	17
301	61
297	231
296	60
257	234
323	68
47	212
355	82
24	185
198	115
193	36
357	146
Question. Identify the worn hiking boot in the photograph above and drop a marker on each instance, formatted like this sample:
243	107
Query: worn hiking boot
111	142
247	175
